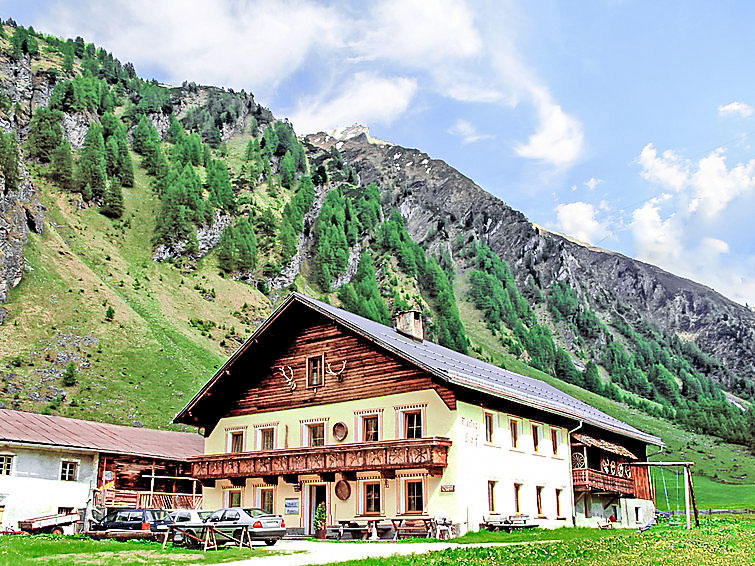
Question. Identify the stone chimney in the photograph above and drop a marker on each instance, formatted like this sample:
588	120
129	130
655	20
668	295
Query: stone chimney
409	323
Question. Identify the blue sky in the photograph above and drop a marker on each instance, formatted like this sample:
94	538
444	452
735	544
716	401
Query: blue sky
627	125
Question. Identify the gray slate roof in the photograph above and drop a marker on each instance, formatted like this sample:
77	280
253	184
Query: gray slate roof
466	371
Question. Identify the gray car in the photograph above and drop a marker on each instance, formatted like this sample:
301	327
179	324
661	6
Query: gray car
263	526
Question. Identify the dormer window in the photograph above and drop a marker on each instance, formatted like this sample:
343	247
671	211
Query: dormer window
314	372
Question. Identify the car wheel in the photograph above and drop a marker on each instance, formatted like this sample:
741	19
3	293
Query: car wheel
57	531
271	541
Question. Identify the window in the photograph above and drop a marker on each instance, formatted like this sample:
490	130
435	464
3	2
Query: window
413	424
370	432
539	500
266	438
536	438
314	372
236	441
554	441
415	496
637	515
514	427
233	496
316	434
182	517
65	510
517	490
267	496
491	496
371	501
488	427
6	465
558	502
68	470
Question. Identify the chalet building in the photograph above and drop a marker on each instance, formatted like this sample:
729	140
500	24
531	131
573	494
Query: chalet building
51	464
324	406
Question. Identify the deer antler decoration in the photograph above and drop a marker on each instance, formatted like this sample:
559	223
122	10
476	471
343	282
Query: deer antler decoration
338	374
288	377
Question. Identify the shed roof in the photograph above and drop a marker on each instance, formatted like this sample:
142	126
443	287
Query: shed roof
48	430
450	366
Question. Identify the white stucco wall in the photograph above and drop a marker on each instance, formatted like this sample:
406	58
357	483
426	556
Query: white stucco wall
34	487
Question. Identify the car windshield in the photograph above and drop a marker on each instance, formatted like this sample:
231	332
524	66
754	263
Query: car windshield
204	514
255	512
159	515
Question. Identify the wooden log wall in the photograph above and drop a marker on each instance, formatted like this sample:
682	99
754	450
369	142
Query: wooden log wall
132	473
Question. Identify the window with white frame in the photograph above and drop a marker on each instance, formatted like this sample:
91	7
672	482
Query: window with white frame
514	429
555	440
410	421
488	419
265	437
369	426
235	441
6	464
372	497
413	496
313	433
266	499
69	470
233	498
535	437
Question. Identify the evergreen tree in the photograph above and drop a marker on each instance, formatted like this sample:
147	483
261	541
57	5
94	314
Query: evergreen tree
92	167
238	247
362	295
219	183
68	58
9	161
592	379
61	168
142	135
175	130
125	171
112	202
45	133
69	376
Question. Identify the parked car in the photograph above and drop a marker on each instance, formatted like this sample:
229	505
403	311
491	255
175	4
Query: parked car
262	525
185	517
134	520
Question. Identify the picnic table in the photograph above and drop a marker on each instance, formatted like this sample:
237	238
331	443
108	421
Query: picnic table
206	535
509	523
406	527
372	529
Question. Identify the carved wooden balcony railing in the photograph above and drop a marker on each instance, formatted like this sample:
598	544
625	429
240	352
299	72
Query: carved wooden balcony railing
385	456
586	479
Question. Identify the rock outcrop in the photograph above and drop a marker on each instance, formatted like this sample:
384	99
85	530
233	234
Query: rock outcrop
443	207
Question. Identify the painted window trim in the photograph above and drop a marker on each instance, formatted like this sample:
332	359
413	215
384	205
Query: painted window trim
306	423
258	495
537	448
519	426
363	483
359	423
404	496
12	467
229	439
492	441
401	420
258	435
227	496
77	470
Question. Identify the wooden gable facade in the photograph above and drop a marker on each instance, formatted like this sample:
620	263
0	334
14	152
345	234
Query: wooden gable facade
270	372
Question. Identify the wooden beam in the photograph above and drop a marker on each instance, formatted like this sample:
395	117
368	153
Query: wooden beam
580	496
388	474
435	472
291	478
238	482
349	476
329	477
270	480
611	501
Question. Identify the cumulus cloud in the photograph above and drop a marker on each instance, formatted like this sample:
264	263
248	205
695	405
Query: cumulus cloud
365	98
736	108
579	220
706	186
467	132
253	44
558	139
592	182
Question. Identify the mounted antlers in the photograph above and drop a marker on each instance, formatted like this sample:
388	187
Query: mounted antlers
338	374
289	378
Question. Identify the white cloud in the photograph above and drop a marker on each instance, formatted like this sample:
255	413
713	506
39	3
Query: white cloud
592	182
253	44
579	220
657	240
734	108
669	169
467	132
714	186
366	98
558	139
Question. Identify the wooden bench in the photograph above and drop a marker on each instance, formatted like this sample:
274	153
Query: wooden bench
422	527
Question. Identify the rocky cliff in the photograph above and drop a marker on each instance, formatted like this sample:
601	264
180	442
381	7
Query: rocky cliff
444	210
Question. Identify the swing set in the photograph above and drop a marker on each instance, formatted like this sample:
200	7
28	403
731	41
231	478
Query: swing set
690	504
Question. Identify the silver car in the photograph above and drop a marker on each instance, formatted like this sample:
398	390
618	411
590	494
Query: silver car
262	525
184	517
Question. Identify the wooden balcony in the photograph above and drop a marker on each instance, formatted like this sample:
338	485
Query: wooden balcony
586	479
385	457
147	499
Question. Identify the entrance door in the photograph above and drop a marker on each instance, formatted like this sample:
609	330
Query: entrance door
318	493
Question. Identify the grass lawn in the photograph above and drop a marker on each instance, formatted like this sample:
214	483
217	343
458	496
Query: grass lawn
724	541
50	550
